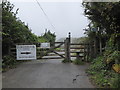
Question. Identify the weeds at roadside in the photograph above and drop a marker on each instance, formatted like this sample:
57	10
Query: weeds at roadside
101	76
78	62
66	61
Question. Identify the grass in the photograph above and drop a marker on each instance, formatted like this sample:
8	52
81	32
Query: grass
66	61
58	49
78	62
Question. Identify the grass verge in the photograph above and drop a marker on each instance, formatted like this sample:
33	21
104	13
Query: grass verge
101	76
78	62
66	61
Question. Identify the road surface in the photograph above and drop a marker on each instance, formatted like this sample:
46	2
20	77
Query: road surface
47	74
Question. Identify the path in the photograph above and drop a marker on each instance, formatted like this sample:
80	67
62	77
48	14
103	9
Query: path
47	74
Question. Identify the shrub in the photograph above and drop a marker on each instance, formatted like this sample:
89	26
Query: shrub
8	62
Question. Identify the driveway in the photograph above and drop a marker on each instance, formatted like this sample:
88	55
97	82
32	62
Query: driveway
47	74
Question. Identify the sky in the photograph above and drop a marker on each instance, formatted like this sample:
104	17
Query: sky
62	17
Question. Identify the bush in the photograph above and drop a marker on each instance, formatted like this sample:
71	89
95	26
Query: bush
8	62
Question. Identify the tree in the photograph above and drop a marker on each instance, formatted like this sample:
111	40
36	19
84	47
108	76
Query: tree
106	17
48	37
14	30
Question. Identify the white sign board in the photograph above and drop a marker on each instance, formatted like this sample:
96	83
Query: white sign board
45	45
26	52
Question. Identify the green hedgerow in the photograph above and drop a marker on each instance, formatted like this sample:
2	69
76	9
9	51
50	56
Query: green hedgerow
8	62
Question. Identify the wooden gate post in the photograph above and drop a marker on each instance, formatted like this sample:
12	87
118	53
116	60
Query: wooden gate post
84	52
67	49
88	50
95	47
69	37
91	51
69	41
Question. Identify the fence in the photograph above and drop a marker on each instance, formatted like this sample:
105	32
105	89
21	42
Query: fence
79	50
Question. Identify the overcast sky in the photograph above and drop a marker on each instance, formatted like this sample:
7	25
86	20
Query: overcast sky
64	16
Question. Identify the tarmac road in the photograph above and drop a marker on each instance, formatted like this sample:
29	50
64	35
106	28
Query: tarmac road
47	74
